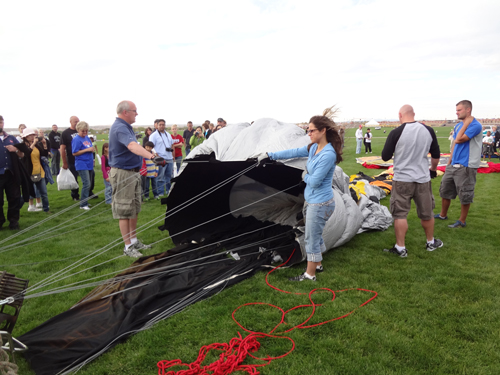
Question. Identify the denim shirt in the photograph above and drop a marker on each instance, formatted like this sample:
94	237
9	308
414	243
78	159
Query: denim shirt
320	168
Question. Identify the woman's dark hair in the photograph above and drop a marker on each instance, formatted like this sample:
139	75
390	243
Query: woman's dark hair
150	131
332	135
106	145
205	126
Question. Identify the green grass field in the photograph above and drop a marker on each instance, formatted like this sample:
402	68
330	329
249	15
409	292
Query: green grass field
436	312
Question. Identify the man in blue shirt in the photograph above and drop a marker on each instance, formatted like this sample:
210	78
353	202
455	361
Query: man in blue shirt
460	174
125	160
8	178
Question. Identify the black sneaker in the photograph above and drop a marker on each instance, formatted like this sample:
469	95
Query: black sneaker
403	253
14	226
302	278
438	216
318	269
435	245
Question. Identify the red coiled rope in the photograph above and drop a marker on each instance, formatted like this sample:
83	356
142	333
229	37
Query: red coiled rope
234	354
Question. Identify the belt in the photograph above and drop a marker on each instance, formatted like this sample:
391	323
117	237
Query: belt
130	170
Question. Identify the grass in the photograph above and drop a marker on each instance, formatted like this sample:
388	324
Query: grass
436	313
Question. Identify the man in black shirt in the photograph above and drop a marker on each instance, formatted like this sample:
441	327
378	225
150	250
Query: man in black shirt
188	133
67	154
55	143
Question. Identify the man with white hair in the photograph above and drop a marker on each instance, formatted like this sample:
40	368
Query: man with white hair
125	160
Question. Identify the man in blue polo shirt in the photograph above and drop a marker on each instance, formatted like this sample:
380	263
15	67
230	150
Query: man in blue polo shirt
460	174
125	160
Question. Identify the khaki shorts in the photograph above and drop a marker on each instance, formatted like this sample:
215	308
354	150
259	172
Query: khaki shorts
126	202
458	181
403	192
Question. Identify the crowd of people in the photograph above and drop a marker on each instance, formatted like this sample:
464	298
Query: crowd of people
130	171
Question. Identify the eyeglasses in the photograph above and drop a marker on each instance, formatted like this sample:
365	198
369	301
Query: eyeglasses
132	110
311	131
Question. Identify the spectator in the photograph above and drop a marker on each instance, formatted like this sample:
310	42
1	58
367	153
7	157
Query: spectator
33	152
151	174
178	144
188	133
92	172
359	139
83	151
211	130
147	134
66	154
220	121
487	145
10	178
197	138
163	144
496	134
108	191
368	141
460	174
206	130
217	128
55	144
409	144
125	159
20	136
450	138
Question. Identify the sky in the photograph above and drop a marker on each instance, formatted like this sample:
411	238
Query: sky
246	59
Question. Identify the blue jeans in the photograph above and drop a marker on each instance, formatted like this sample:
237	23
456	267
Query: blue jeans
55	163
85	176
41	191
107	192
145	188
359	143
164	176
74	192
316	215
178	162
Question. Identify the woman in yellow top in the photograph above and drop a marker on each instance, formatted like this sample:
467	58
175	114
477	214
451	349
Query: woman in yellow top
33	151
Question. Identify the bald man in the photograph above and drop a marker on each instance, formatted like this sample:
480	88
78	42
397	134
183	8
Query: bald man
409	144
125	160
66	154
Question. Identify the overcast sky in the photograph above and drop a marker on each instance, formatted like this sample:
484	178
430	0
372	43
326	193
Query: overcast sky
243	59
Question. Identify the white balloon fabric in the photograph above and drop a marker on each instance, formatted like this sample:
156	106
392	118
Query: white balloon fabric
238	142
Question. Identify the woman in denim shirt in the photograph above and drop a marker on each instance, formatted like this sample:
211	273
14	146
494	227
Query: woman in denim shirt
324	152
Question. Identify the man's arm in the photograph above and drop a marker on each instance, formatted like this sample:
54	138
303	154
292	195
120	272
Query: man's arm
461	137
391	142
137	149
64	157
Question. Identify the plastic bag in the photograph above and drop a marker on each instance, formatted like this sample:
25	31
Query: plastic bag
66	180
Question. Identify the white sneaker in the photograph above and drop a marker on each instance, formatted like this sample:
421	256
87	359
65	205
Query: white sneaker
34	209
39	205
86	208
132	252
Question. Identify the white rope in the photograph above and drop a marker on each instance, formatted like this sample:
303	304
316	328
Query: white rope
52	279
46	282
